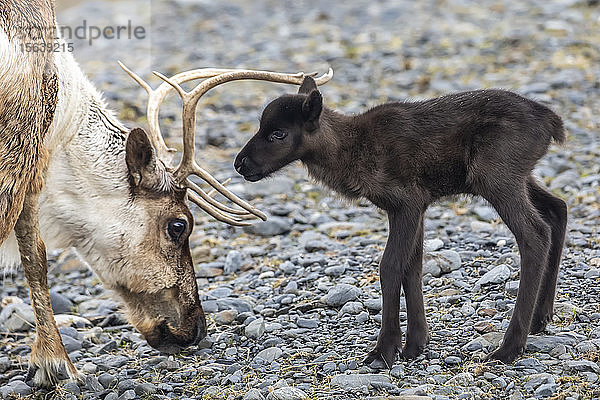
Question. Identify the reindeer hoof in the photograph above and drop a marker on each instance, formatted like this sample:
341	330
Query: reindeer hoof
412	351
48	373
538	324
381	358
505	355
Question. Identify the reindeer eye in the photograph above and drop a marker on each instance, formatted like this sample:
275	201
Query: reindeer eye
176	228
279	135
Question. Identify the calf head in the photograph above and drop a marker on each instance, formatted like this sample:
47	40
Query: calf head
289	130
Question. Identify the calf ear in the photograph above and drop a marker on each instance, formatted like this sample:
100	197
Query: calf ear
311	110
144	168
308	85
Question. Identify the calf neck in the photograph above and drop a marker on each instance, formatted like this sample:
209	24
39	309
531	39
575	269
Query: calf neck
404	156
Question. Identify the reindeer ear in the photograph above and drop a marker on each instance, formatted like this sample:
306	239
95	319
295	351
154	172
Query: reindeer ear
308	85
141	160
311	110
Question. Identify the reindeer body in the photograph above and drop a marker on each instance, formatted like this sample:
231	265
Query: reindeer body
65	167
404	156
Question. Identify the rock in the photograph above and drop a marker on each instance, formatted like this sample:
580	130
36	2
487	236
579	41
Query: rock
512	287
486	213
4	364
287	393
128	395
544	344
307	323
20	388
240	305
351	307
336	270
445	261
498	274
341	294
226	317
432	245
60	303
352	382
271	227
253	394
583	365
17	317
452	360
270	354
145	389
461	379
566	310
72	387
71	320
535	380
566	179
546	391
107	380
71	344
255	329
373	304
233	262
209	270
269	187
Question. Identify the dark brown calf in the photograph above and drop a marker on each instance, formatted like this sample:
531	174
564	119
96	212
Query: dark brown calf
404	156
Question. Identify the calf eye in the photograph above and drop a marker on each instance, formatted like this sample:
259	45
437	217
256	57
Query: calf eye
279	135
176	228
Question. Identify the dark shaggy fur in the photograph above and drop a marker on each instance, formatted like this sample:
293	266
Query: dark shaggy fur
404	156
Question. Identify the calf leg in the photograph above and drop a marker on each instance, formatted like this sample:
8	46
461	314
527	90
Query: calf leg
417	332
393	266
554	212
533	238
49	361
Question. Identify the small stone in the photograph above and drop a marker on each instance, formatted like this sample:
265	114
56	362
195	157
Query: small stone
254	394
17	317
445	260
233	262
71	344
566	310
461	379
209	270
484	327
20	388
226	317
145	389
128	395
107	380
4	364
373	304
287	393
255	329
341	294
60	303
583	365
72	387
452	360
512	287
270	354
271	227
545	391
351	307
307	323
432	245
336	270
498	274
352	382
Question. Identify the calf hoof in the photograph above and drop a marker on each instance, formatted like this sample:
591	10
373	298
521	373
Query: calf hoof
506	354
538	324
382	358
413	350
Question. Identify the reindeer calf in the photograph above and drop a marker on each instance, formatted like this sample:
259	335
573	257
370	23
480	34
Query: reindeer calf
404	156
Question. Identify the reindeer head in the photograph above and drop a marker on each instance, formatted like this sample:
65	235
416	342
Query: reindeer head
287	126
162	299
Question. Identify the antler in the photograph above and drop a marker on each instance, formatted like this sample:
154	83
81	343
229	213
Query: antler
188	166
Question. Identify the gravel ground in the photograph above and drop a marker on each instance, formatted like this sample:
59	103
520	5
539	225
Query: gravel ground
293	304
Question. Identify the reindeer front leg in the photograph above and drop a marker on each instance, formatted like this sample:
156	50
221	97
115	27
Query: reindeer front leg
49	362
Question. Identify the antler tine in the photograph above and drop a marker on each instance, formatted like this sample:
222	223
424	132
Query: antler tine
208	198
214	212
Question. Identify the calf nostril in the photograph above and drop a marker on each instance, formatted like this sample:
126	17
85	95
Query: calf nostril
241	163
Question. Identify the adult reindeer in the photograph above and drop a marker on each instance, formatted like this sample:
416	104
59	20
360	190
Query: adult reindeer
72	174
